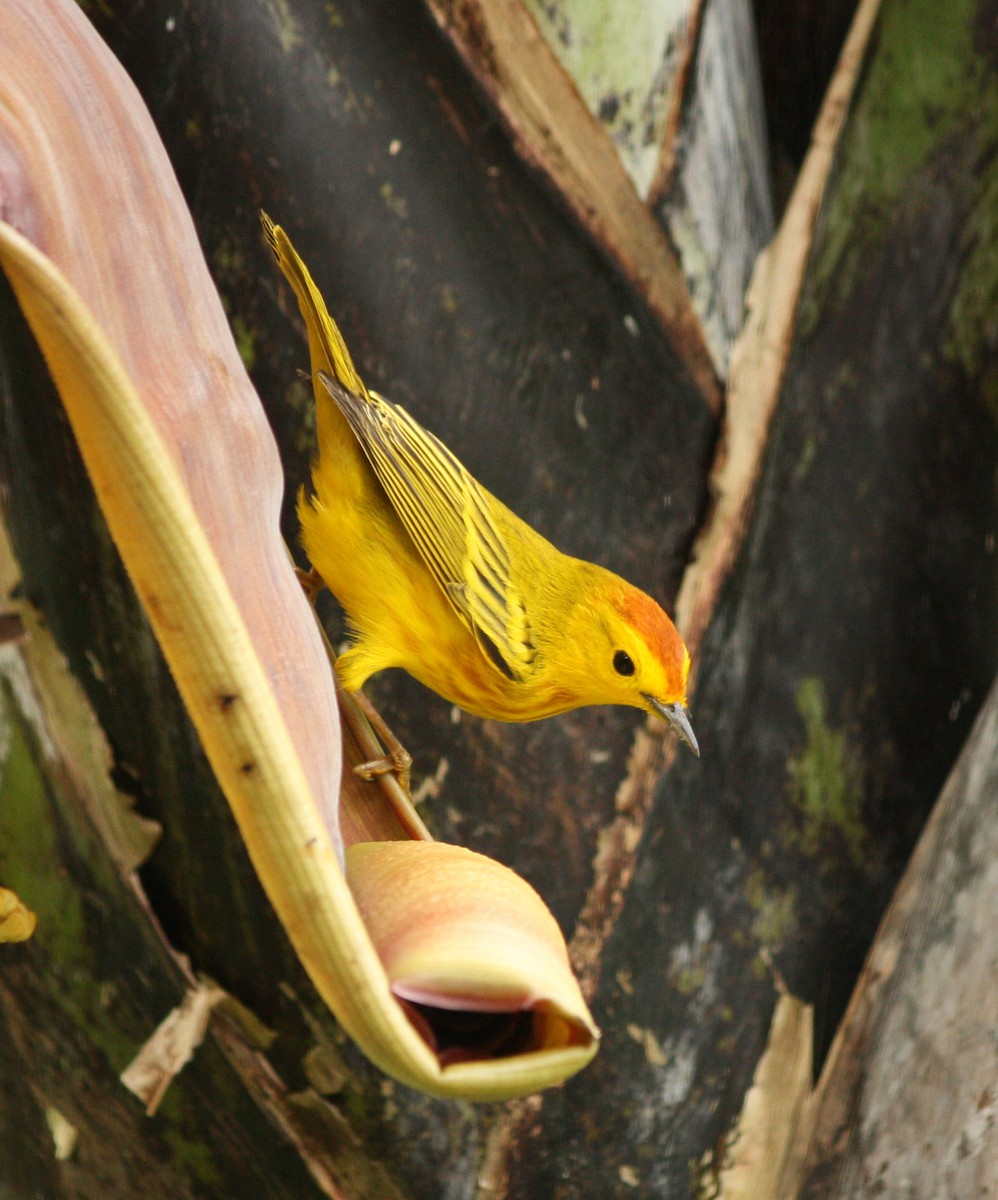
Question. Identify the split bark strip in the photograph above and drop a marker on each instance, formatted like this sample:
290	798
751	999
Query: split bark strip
759	357
908	1098
759	1147
758	362
317	1130
556	133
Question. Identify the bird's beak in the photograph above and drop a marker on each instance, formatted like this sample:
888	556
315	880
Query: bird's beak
679	719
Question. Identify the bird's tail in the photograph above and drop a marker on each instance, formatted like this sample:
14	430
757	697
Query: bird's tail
326	346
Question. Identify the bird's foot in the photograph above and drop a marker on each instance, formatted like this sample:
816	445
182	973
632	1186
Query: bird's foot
311	582
398	763
396	760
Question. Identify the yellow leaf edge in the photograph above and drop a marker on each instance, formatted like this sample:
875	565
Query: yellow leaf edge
225	690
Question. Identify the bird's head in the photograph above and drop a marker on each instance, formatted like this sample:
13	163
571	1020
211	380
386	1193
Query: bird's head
643	660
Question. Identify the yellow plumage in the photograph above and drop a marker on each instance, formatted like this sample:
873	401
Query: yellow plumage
439	577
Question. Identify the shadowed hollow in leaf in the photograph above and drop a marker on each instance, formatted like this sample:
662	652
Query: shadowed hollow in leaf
472	954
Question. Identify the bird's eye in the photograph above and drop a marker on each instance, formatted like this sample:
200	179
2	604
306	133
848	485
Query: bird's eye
623	664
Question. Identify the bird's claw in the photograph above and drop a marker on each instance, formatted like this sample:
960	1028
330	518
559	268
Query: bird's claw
311	582
398	763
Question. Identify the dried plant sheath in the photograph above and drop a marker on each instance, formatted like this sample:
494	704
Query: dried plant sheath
554	131
170	431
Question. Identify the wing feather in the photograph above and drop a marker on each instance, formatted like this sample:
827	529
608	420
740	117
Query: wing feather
445	512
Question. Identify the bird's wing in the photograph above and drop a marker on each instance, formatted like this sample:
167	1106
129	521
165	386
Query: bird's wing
446	513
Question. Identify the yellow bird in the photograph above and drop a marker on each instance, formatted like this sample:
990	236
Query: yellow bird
439	577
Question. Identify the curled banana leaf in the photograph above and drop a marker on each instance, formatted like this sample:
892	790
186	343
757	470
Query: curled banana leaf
188	477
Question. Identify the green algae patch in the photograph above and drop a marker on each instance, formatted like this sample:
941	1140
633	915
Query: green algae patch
688	980
924	81
774	908
189	1152
29	850
246	340
826	779
972	311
